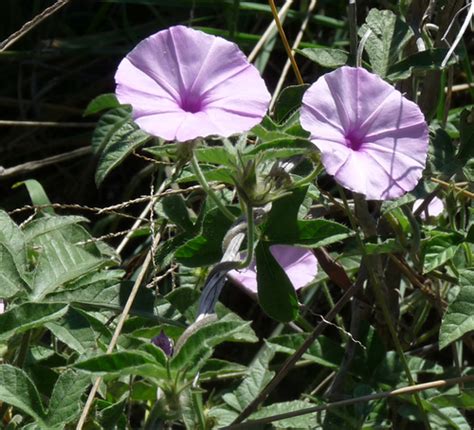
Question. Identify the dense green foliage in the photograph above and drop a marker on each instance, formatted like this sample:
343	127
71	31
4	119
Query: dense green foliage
94	210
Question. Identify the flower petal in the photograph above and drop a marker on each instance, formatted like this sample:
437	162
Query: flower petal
183	84
372	139
299	264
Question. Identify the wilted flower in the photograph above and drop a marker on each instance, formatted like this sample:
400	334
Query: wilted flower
183	84
373	140
299	264
164	343
434	209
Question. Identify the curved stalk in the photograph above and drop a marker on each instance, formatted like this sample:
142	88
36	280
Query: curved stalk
208	190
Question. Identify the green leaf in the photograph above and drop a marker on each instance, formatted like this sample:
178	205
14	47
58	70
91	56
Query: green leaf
323	350
10	279
175	209
211	173
109	416
278	149
199	345
117	146
258	376
26	316
206	248
215	155
441	154
215	368
459	317
463	400
123	363
108	124
100	103
307	421
18	390
311	233
74	330
165	252
429	59
37	194
439	248
289	101
65	403
284	212
102	295
466	136
276	294
13	239
389	35
60	262
326	57
48	224
386	247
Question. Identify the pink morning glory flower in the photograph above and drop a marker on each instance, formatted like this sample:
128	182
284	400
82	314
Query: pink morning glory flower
299	264
372	140
434	209
184	84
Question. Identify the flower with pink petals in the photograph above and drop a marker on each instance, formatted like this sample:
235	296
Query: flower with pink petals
434	209
184	84
372	139
299	264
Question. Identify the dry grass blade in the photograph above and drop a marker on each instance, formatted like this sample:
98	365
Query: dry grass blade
10	40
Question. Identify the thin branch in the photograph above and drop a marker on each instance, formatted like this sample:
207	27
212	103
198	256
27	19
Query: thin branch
450	185
118	330
383	395
270	29
285	41
38	164
28	26
53	124
291	361
296	43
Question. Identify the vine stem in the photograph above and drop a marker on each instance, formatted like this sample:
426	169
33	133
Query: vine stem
118	329
373	268
208	190
250	237
299	78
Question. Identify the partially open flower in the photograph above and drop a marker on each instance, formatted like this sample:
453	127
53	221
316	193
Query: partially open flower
299	264
184	84
373	140
164	343
434	209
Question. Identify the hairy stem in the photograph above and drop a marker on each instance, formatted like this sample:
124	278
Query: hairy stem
208	190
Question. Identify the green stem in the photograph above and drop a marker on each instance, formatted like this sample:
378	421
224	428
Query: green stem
22	353
338	318
309	178
250	237
373	266
209	191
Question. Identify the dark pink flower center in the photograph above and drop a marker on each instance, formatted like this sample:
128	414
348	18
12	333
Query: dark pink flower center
191	102
354	140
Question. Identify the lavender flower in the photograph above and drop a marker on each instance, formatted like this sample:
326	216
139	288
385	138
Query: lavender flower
434	209
184	84
373	140
299	264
